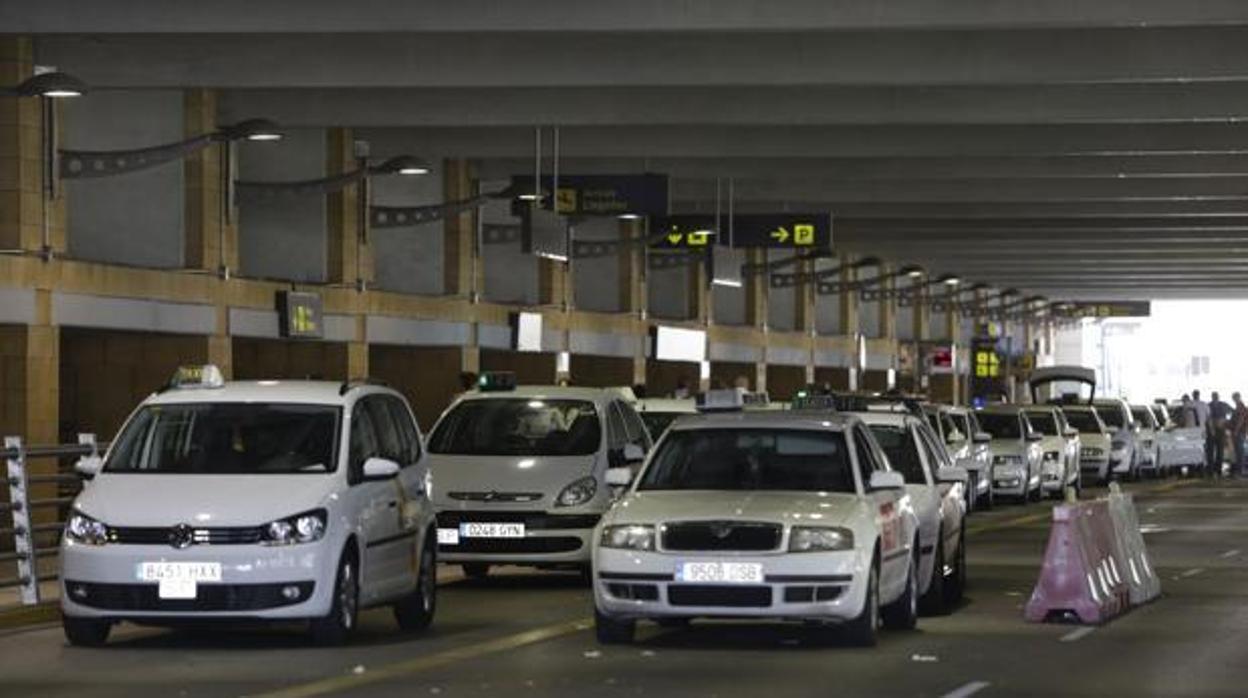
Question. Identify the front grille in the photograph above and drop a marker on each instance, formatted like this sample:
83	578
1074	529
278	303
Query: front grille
532	520
159	535
721	536
519	546
495	496
209	597
715	595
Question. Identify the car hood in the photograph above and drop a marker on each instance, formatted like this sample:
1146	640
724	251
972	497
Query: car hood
134	499
546	475
779	507
1053	443
1006	447
1092	440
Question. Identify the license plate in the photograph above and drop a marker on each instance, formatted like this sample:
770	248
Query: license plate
491	530
720	572
179	580
448	536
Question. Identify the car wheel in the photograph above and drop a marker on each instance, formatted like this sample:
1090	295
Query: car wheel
86	632
415	612
863	630
613	631
903	613
933	601
476	570
335	627
956	585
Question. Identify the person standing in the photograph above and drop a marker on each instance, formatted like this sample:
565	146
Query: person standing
1187	415
1201	409
1239	431
1219	422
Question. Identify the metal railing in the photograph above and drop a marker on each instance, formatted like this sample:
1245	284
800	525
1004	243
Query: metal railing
35	538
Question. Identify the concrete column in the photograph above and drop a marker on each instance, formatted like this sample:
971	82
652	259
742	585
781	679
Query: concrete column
27	216
849	302
348	259
460	275
221	344
756	290
922	315
211	240
553	283
888	306
699	294
804	297
632	282
30	357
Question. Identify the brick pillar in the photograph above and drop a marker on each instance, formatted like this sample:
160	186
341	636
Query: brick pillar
349	259
459	233
849	303
806	316
25	212
699	294
922	315
211	240
756	290
30	357
552	283
632	283
888	305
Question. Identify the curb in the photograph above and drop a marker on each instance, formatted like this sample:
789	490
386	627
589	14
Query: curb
47	612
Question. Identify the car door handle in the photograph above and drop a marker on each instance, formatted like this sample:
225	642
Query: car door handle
393	504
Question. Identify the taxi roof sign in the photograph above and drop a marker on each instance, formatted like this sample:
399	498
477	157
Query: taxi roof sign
730	400
496	381
205	376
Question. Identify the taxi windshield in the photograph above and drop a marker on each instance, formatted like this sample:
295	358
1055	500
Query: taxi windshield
227	438
1043	422
1001	425
1143	416
1084	421
518	427
1112	416
903	453
750	459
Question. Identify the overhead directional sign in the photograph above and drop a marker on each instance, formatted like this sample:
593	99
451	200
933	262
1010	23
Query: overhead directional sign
788	231
1104	309
600	195
299	315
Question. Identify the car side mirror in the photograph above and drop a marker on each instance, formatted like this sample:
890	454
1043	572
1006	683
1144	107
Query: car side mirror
954	437
952	474
633	454
380	469
1034	436
1070	432
886	480
619	477
88	467
981	437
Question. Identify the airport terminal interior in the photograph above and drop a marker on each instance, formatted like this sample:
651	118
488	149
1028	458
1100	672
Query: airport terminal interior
650	348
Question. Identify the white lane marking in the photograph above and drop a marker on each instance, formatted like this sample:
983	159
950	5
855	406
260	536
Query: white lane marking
1193	572
969	689
1229	553
1076	635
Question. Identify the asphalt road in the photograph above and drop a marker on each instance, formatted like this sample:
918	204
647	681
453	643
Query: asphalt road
526	634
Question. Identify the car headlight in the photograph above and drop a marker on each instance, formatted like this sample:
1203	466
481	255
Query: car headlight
307	527
1007	460
809	539
81	528
1052	456
628	537
577	493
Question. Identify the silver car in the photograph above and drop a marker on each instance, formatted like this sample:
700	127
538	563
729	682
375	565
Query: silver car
1016	452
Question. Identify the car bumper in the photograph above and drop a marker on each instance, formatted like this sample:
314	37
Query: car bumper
807	586
1053	477
1010	482
537	548
103	582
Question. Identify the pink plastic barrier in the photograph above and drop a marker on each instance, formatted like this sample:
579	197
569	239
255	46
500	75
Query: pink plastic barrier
1084	571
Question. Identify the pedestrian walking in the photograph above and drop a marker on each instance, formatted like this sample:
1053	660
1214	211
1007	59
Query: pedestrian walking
1239	431
1219	424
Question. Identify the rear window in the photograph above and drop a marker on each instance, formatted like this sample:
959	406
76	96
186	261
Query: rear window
750	459
519	427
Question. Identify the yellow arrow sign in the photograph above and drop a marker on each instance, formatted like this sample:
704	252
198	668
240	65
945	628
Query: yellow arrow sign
675	238
781	234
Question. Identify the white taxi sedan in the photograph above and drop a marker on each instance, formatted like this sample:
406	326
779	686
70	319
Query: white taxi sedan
765	515
935	487
264	500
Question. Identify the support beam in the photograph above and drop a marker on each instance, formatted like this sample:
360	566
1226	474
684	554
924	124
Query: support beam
460	270
349	258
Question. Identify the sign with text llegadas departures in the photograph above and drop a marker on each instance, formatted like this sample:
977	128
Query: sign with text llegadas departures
600	195
785	231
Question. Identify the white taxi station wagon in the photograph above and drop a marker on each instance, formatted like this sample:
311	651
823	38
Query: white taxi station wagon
761	514
264	500
520	472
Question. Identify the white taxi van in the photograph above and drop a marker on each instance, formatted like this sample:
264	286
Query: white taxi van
520	472
264	500
778	515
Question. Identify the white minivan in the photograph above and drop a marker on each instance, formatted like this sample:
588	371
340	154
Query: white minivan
253	500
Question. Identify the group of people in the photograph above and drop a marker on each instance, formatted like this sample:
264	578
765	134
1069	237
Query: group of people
1222	423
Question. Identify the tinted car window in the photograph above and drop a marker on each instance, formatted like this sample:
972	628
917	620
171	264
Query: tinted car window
519	427
903	454
1112	416
867	463
658	422
389	442
1144	416
637	433
363	441
408	436
228	439
750	459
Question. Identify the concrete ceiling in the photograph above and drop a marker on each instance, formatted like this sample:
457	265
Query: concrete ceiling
1086	149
